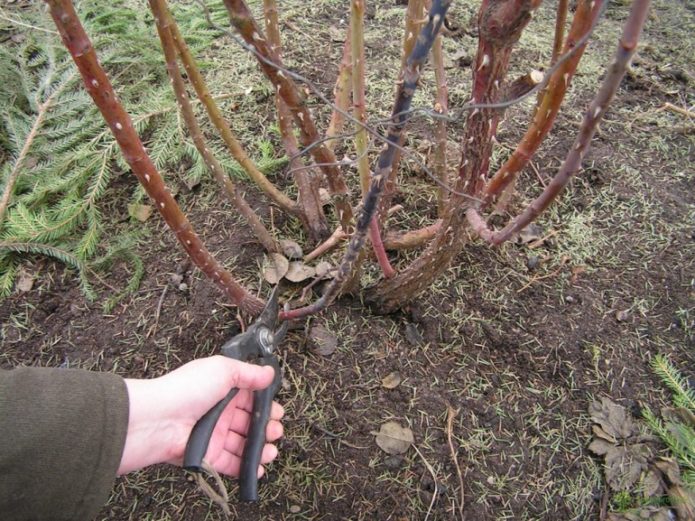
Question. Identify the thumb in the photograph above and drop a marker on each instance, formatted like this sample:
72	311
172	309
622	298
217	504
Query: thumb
247	376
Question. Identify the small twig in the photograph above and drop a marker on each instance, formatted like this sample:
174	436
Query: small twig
542	277
676	109
451	415
327	245
434	480
338	438
28	26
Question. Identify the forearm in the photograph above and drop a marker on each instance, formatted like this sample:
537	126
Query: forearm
63	434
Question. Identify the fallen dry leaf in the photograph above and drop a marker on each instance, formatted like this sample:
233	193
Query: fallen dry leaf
298	271
613	418
25	281
623	464
322	340
394	439
141	212
652	485
392	380
291	249
275	266
324	269
683	500
531	233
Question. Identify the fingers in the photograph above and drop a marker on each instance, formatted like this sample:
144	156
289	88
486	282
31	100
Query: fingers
234	441
248	376
237	414
230	463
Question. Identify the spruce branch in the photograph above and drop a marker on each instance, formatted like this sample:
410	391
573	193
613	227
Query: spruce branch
41	113
684	396
99	87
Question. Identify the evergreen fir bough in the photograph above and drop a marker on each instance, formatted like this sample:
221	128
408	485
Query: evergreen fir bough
677	430
59	157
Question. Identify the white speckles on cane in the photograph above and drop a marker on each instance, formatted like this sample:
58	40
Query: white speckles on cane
147	178
162	205
95	83
118	126
485	61
188	242
597	111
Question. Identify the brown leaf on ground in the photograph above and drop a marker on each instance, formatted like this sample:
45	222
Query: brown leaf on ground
25	281
652	484
392	380
683	501
647	513
322	340
670	469
613	418
298	271
141	212
275	267
394	439
291	249
324	269
624	465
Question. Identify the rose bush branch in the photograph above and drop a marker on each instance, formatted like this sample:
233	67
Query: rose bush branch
242	20
99	88
308	199
163	24
399	119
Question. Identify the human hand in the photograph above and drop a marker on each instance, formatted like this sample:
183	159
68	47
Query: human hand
164	410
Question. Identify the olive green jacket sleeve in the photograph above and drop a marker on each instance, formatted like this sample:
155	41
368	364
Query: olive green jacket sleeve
62	433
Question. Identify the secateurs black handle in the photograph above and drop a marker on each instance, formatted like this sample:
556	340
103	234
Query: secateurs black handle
197	444
255	437
256	345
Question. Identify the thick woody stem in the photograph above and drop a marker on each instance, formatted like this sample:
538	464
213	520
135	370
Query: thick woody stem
549	106
614	75
341	92
360	114
399	118
560	19
215	114
312	214
441	106
411	238
501	23
162	21
99	87
241	18
413	22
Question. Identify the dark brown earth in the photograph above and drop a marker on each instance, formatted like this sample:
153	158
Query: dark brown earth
517	340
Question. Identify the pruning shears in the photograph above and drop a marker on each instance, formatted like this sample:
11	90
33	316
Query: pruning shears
255	345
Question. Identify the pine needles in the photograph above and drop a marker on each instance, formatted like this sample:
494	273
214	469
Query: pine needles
58	156
677	426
